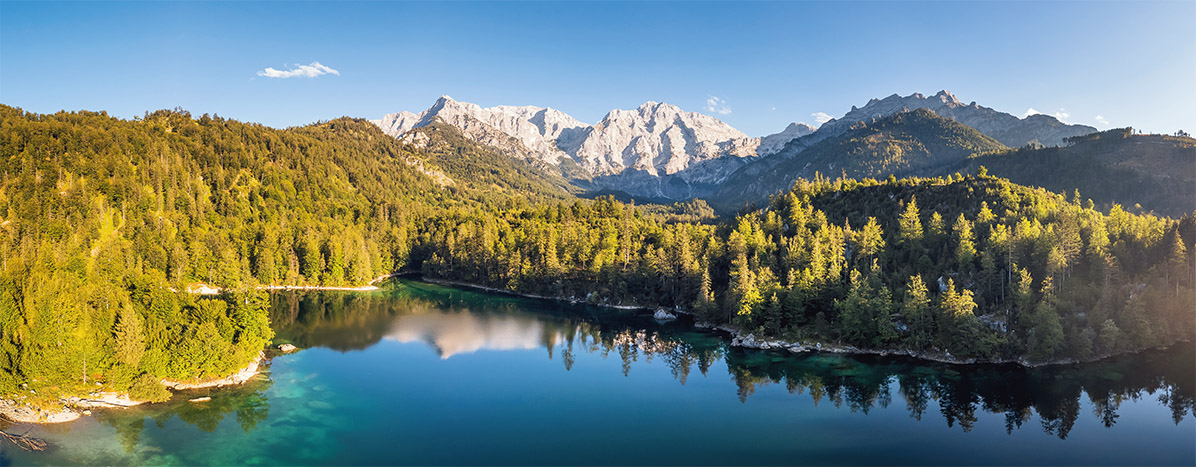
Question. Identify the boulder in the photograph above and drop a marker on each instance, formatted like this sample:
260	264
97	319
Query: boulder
286	348
663	315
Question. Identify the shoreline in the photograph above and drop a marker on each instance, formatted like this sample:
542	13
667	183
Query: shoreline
200	288
360	288
738	338
75	407
240	377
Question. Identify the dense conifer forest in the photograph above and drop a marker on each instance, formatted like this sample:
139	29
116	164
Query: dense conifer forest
106	222
1144	173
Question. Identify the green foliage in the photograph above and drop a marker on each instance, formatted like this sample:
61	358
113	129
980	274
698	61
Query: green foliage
147	388
102	220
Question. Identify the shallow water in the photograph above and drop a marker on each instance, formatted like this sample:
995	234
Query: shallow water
424	374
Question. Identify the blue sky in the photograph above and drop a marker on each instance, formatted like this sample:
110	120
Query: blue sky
768	64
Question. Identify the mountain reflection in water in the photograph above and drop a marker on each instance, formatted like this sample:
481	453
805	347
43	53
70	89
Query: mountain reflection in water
455	322
466	332
365	389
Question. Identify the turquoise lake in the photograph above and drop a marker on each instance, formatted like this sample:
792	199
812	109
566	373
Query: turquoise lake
424	374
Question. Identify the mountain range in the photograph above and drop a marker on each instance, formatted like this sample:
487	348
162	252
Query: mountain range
660	151
904	144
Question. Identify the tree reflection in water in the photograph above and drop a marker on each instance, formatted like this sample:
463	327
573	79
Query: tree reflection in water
247	403
455	321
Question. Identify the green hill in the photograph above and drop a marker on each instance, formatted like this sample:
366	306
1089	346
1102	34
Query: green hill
1141	172
103	221
956	268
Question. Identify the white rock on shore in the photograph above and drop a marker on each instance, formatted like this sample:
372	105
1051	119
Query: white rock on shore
102	399
21	413
663	315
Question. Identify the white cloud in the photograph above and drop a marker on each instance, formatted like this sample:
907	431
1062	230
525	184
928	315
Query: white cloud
716	105
1061	115
1101	120
301	71
821	117
774	108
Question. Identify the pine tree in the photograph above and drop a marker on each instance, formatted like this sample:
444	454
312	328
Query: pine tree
916	310
910	223
130	338
1046	331
965	247
870	239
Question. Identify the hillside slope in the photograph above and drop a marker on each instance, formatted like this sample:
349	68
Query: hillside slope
479	168
103	221
1010	130
1155	172
914	143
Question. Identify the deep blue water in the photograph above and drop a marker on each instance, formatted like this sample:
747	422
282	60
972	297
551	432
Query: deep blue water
423	374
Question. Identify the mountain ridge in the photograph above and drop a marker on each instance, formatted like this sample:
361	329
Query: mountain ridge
909	143
662	151
656	149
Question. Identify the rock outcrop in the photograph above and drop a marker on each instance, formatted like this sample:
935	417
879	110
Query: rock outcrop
1006	128
656	150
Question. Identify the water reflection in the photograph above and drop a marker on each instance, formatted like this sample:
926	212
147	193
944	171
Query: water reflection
318	402
467	332
456	322
246	403
1053	393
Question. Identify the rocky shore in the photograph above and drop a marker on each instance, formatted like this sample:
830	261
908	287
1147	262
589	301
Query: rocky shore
74	407
739	338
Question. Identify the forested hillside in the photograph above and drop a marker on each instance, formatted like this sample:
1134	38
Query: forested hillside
912	143
105	222
1155	172
480	168
974	266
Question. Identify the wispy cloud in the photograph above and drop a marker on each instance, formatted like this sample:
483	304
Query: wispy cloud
300	71
1061	115
821	117
717	105
1101	120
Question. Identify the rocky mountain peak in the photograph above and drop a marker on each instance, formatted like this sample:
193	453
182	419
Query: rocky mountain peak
1006	128
654	140
772	144
946	97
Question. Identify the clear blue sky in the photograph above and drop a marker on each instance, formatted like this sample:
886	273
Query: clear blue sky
1132	63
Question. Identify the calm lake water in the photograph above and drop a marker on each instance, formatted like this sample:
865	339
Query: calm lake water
424	374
